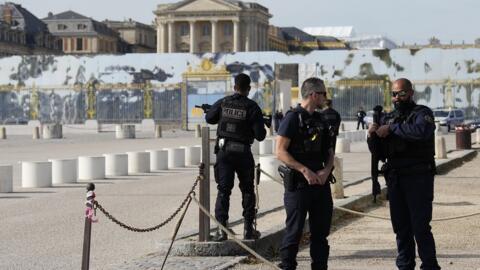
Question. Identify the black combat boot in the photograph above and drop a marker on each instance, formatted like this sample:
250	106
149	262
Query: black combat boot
249	232
220	235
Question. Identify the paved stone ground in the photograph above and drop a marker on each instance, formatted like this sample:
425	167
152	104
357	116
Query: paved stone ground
43	228
367	243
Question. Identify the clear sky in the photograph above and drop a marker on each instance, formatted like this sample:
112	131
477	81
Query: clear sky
405	20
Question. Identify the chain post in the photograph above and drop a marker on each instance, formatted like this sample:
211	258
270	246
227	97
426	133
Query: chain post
204	191
89	212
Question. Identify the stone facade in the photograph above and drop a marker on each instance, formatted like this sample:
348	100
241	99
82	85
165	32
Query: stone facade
199	26
82	35
141	38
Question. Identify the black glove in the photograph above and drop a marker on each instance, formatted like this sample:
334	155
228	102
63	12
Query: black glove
267	120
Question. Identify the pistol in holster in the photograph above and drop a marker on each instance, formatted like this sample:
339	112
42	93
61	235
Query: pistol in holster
288	175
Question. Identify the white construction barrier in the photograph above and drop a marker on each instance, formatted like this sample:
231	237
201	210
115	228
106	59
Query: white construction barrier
192	155
53	131
116	164
64	171
270	165
138	162
6	178
158	160
337	188
255	148
265	147
440	147
342	146
90	168
176	157
36	174
125	131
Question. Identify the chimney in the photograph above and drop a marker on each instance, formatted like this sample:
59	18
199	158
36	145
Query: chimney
7	14
50	14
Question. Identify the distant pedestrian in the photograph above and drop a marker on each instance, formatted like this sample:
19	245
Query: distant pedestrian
333	119
361	118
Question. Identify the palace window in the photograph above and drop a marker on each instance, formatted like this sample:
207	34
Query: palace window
184	29
79	46
61	27
81	26
206	30
227	29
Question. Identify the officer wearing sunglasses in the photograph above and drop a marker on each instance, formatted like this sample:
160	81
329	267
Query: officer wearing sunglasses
405	141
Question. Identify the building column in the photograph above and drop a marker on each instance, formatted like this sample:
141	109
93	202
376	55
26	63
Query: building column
192	37
247	37
171	37
159	38
214	36
236	36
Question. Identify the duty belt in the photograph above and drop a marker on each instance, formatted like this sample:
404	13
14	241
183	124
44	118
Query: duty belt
233	146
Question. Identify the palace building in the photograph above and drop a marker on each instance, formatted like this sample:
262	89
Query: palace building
199	26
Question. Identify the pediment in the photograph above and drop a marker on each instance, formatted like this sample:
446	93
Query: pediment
205	5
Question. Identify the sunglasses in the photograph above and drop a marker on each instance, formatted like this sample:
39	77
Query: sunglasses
400	93
322	93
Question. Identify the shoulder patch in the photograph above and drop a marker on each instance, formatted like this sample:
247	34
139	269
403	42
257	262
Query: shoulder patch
428	118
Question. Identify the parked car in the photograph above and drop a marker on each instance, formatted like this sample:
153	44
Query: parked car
474	124
449	117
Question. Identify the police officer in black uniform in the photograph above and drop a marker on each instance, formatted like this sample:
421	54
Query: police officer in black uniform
240	121
304	145
405	140
333	119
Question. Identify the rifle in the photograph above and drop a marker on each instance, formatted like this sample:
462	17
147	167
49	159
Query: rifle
204	107
267	120
377	112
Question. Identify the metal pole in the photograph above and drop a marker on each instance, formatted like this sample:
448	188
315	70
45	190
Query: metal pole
203	220
88	226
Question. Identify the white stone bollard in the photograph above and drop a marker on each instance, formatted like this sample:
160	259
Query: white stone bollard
176	157
269	164
274	145
138	162
265	147
255	148
440	147
3	133
36	133
36	174
64	171
337	188
116	164
477	133
440	130
192	155
342	146
6	178
125	131
158	160
158	131
52	131
90	168
342	127
213	156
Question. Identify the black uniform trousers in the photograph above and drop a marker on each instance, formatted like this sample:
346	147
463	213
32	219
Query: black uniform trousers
317	202
229	163
411	198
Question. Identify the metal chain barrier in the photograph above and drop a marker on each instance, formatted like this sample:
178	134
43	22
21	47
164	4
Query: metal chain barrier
374	216
131	228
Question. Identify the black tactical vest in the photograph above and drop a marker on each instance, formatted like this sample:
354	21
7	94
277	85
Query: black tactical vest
399	148
233	123
309	145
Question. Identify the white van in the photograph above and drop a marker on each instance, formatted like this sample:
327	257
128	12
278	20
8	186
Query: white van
449	117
